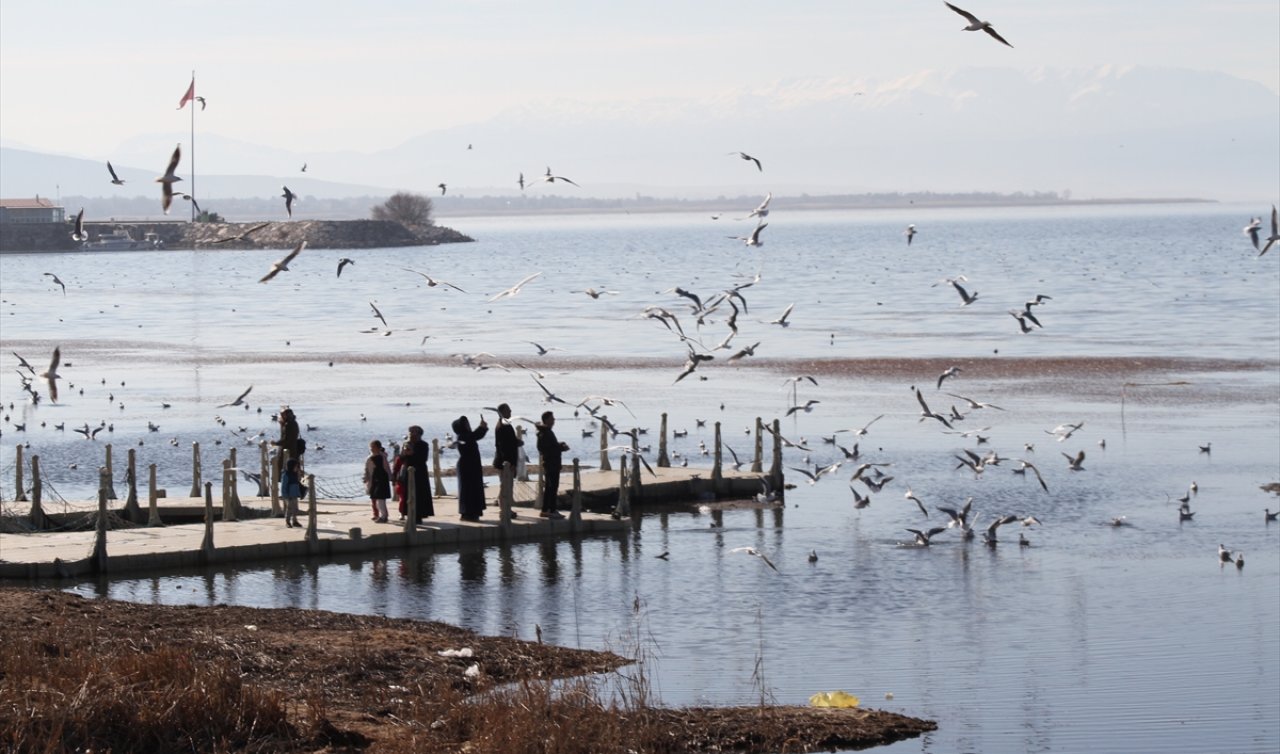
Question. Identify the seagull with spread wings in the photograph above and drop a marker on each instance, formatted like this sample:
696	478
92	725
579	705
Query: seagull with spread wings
289	196
51	374
57	280
977	25
754	552
282	265
749	158
1275	231
513	290
114	178
239	401
169	178
433	282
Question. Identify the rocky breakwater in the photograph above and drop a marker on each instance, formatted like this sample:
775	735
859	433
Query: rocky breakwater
319	234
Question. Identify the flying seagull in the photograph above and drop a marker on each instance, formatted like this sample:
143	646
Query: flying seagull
282	265
754	238
749	158
116	179
378	314
343	263
289	196
57	280
239	401
513	290
1252	229
167	180
432	282
782	320
1275	231
762	211
910	233
51	375
443	188
520	181
923	537
758	554
976	25
78	234
202	102
549	178
948	372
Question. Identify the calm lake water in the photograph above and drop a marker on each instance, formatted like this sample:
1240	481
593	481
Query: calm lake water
1095	637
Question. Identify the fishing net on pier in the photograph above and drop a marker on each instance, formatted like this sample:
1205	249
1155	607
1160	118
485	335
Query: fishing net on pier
341	488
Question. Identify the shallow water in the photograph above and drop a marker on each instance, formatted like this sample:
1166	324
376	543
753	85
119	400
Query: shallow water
1097	637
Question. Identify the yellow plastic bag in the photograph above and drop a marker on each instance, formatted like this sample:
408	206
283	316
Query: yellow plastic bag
842	699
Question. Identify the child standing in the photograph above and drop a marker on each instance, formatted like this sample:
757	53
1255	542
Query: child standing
291	490
377	480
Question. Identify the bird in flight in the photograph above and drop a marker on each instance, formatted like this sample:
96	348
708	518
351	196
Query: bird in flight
289	196
754	238
443	188
433	282
966	297
923	537
761	211
239	401
343	263
513	290
807	407
948	372
51	375
782	320
749	158
167	180
549	178
1275	231
910	233
520	181
543	350
282	265
57	280
202	102
378	314
304	168
78	234
756	553
977	25
117	181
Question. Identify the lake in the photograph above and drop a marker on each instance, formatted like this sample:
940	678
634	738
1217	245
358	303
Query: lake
1162	336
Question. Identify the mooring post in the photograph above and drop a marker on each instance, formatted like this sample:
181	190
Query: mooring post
624	493
264	475
664	461
775	471
111	476
21	495
575	499
131	510
717	473
38	519
277	468
541	481
228	485
604	443
411	520
235	485
312	538
522	470
100	534
635	466
506	485
153	496
439	490
757	462
195	469
206	547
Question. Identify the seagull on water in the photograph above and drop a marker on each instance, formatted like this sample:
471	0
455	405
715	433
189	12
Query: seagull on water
923	537
977	25
749	158
167	180
990	536
1076	462
116	179
1224	555
282	265
756	553
513	290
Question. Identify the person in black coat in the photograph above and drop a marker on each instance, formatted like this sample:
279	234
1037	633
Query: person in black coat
470	468
550	449
506	444
418	453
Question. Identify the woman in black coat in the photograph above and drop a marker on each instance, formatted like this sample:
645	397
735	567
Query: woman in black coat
419	452
470	468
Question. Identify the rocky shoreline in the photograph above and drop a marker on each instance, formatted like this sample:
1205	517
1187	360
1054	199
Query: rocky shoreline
319	234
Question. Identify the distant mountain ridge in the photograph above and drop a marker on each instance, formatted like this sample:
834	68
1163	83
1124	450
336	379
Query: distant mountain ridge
1108	131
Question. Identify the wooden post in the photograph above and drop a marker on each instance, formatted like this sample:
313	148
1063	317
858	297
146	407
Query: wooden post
99	561
717	472
277	469
435	468
623	508
111	476
228	479
664	460
411	520
195	469
38	519
522	474
206	547
312	537
264	476
21	495
235	486
604	443
757	462
538	491
575	500
153	508
775	471
506	483
635	466
131	510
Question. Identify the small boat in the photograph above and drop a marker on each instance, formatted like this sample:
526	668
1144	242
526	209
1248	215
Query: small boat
121	240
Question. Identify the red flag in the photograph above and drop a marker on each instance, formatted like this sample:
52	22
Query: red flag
190	95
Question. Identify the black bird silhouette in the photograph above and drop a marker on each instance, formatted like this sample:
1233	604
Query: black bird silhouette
289	196
114	178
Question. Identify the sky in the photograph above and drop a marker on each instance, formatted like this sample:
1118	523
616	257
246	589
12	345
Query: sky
80	78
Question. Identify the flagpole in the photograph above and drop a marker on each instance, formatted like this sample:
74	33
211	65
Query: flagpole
194	195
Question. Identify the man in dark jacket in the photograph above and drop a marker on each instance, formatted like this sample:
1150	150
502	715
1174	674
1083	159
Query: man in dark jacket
506	444
550	449
289	433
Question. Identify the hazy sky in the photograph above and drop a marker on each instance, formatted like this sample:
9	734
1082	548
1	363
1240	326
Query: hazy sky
81	77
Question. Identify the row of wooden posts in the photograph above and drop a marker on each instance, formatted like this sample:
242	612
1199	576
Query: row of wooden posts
629	483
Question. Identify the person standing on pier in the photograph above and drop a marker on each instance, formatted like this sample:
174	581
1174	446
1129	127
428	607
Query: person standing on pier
289	434
550	449
506	445
470	468
377	480
291	490
417	453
